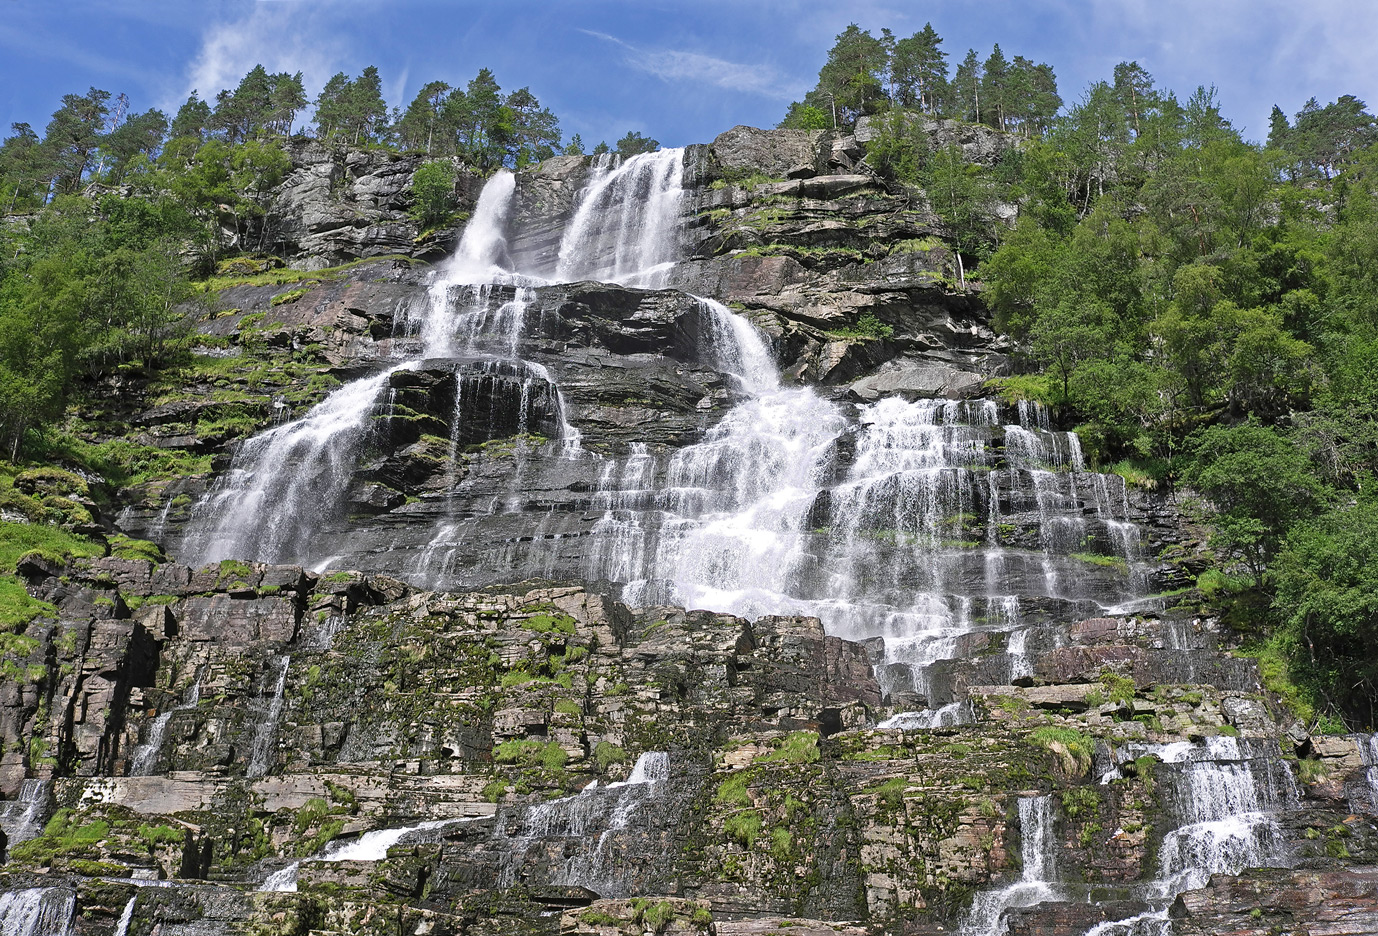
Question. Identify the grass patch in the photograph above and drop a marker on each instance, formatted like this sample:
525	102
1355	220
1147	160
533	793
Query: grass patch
17	606
1036	388
733	790
547	623
1275	673
867	327
744	827
797	747
1072	748
546	754
283	277
1096	559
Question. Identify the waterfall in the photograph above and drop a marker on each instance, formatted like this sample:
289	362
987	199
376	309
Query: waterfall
901	539
37	911
1225	795
602	811
1038	852
122	925
626	223
145	756
22	818
1368	753
283	482
266	729
371	846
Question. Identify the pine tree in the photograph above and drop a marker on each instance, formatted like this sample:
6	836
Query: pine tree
966	89
995	86
73	136
192	120
849	81
332	107
535	133
423	127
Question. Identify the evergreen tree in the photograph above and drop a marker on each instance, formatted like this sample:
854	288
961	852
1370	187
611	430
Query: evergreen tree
367	112
332	107
287	97
850	80
73	136
423	126
575	146
995	79
918	67
23	169
1134	91
634	144
193	120
483	127
965	102
140	134
535	133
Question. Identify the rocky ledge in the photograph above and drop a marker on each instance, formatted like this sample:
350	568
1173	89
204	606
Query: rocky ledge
586	767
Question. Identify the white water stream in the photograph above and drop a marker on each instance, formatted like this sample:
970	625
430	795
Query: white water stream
37	911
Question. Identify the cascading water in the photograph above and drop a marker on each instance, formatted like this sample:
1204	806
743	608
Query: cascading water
1038	851
145	756
574	820
37	911
22	819
626	225
284	484
266	729
1225	795
371	846
890	523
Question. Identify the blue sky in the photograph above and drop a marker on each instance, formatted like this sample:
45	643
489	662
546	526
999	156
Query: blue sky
680	72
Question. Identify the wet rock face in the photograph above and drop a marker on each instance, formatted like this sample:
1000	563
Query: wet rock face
384	706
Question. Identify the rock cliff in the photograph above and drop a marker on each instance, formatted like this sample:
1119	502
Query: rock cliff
405	661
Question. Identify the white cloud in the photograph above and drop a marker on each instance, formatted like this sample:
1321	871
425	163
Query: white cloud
282	37
677	65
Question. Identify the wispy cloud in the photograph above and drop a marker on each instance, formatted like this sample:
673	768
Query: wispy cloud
288	37
678	65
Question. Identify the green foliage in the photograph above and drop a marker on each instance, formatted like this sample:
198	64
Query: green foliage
1327	605
743	827
867	326
1073	748
605	754
1118	688
1080	801
546	754
797	747
545	622
433	193
17	607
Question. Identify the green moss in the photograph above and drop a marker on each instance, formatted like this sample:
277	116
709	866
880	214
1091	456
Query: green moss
605	754
658	916
546	623
798	747
891	792
567	707
732	791
1118	688
744	827
1108	562
546	754
598	918
62	838
1079	800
